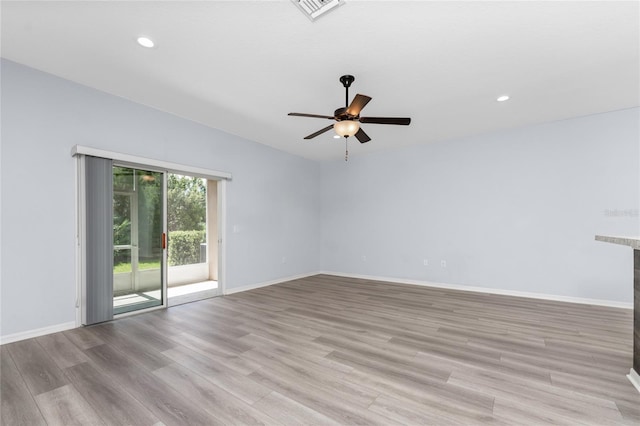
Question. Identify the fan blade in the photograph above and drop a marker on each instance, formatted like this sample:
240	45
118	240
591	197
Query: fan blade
386	120
357	104
319	132
362	136
300	114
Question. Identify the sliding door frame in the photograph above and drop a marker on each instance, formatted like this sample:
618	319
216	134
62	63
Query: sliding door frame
126	160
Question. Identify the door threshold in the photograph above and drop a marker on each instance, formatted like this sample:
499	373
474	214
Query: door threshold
192	292
140	311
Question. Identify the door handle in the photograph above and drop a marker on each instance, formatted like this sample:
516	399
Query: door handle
164	241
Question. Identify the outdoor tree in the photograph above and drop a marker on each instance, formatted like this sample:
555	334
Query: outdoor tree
186	203
186	215
187	218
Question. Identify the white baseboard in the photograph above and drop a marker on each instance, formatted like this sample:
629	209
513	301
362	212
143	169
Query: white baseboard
634	378
9	338
553	297
229	291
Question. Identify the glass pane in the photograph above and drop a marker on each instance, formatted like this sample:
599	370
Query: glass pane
123	179
122	272
121	260
187	217
121	219
142	207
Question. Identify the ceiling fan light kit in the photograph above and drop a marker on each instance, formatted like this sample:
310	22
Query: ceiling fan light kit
346	128
348	118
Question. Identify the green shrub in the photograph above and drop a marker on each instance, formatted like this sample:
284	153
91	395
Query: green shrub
184	247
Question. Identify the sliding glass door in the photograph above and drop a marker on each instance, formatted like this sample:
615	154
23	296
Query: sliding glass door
123	262
139	239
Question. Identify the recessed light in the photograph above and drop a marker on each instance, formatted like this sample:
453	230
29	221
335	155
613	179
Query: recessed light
503	98
145	42
336	136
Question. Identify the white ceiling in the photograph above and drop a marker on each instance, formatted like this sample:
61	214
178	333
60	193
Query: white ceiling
241	66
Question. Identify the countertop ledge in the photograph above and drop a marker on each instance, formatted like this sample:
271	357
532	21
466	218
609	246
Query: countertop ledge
633	242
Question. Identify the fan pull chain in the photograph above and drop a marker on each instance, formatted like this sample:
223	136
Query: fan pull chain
346	148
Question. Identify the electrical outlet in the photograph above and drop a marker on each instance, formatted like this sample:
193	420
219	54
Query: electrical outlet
284	259
364	258
425	262
443	263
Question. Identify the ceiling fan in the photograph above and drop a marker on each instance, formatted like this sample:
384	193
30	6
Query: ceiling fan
347	119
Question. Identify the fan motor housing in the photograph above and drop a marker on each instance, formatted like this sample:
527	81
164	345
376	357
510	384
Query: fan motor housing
341	114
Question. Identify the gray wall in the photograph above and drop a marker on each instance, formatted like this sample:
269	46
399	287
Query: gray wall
515	210
272	198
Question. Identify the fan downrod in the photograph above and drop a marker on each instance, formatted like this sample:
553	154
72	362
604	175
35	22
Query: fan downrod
346	81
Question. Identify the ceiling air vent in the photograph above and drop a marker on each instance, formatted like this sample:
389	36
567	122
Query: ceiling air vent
316	8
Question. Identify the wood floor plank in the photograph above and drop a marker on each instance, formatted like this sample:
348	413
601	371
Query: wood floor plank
472	356
223	406
227	341
289	412
65	406
548	398
318	399
630	410
64	353
167	321
302	355
520	413
144	334
411	413
457	402
226	378
384	357
317	376
216	354
82	338
162	400
380	369
620	388
517	360
40	372
115	405
279	331
147	356
260	339
17	405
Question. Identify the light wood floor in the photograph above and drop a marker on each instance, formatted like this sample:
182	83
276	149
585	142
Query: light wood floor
328	350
